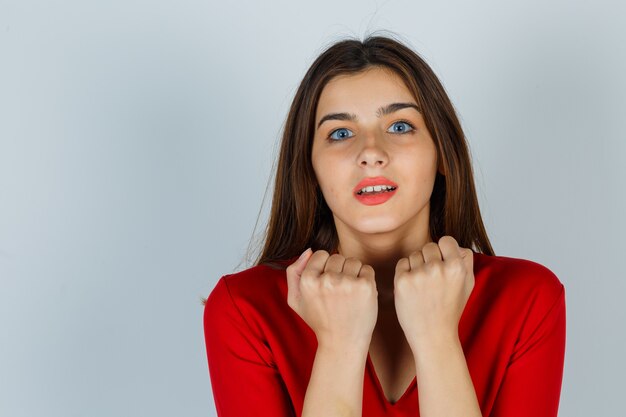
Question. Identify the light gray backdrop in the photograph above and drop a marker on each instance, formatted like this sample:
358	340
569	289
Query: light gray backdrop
136	145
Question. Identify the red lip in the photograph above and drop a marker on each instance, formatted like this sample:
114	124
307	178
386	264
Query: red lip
378	198
370	181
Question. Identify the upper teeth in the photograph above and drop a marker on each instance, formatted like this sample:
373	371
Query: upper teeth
375	188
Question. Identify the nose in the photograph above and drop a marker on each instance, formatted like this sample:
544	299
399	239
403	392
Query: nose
372	152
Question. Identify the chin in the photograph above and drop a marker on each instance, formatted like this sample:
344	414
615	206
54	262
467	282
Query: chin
375	225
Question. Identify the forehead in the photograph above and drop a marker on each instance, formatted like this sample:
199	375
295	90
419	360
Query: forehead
364	92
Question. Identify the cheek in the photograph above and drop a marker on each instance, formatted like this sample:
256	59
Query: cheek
325	167
330	190
331	179
420	170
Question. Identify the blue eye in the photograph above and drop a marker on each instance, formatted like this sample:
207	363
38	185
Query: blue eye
342	135
404	129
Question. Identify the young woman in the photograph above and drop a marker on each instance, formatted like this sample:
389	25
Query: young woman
377	291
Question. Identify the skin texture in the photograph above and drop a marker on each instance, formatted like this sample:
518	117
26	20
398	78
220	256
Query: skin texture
377	235
388	272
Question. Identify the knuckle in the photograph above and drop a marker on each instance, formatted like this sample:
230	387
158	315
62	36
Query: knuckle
335	257
432	267
401	281
352	262
367	270
308	281
402	276
458	263
328	282
447	237
328	276
365	287
322	253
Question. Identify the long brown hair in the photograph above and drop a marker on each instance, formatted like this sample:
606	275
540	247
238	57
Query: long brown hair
300	217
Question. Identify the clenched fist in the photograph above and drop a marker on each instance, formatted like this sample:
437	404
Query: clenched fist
335	296
431	289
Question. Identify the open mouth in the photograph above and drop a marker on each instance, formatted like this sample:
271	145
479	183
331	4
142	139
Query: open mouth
375	190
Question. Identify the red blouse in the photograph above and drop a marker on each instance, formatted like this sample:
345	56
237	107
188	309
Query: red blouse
260	352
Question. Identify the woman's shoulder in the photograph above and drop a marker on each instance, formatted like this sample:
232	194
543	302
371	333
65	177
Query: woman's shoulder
253	300
257	278
261	286
512	278
516	268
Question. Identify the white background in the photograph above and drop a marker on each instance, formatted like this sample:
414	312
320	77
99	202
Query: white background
136	146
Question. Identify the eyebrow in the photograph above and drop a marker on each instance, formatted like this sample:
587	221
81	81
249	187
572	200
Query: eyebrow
382	111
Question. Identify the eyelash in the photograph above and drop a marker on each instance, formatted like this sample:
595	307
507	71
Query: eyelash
329	139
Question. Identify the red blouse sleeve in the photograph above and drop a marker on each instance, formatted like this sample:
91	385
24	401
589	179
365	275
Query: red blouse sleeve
244	378
532	382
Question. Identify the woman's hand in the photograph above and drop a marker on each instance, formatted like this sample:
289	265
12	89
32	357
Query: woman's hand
335	296
431	288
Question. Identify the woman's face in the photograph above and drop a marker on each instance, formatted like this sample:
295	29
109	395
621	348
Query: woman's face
373	143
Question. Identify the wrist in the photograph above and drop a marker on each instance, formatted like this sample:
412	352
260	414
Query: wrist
342	347
435	341
350	356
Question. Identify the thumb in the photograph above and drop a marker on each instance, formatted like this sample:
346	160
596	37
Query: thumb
294	271
300	263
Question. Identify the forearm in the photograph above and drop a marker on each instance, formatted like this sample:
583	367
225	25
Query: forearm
445	385
336	385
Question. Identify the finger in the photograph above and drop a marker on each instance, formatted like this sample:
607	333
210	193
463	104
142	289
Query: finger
334	263
468	257
431	252
352	267
449	248
294	272
467	253
317	261
367	272
300	264
403	265
416	260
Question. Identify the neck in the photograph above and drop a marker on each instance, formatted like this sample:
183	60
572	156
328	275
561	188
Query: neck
382	251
